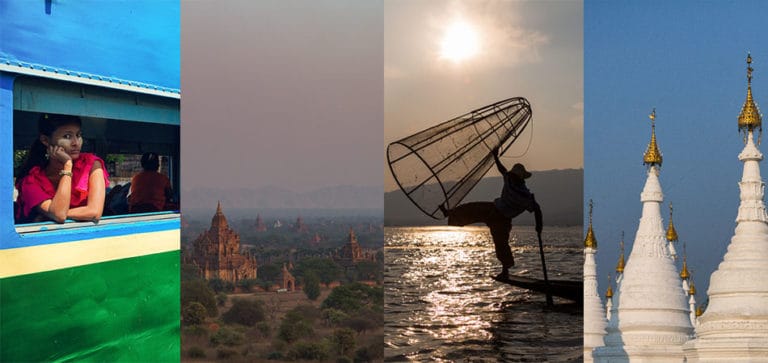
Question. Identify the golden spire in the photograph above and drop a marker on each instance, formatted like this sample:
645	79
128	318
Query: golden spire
590	241
699	311
684	274
671	232
749	118
691	288
609	292
652	154
620	264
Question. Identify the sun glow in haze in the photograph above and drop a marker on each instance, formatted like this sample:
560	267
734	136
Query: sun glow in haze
460	42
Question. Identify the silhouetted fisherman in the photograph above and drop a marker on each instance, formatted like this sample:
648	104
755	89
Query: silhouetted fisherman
515	198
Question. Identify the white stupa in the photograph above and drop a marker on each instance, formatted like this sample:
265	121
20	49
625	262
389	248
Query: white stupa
688	289
594	314
684	273
734	327
620	263
650	318
692	303
671	235
619	273
608	300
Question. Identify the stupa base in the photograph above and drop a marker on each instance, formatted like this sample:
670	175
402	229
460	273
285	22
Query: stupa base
639	354
718	349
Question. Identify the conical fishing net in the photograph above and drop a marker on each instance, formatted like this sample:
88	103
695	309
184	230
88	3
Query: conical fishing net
441	165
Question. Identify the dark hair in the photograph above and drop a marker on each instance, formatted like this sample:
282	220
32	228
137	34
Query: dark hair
150	161
46	125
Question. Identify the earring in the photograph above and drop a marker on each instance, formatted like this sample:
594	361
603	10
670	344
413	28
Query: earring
47	156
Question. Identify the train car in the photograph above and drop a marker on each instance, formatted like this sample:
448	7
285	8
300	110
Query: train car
91	291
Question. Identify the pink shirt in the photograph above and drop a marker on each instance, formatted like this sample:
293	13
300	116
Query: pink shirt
35	187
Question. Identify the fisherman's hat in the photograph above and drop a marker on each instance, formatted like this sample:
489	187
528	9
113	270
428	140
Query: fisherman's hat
520	172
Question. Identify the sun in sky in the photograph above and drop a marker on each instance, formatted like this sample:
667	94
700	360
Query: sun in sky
460	42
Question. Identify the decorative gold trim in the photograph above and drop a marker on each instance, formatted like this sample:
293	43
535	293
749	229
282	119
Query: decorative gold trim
750	118
590	241
620	264
671	232
652	154
684	274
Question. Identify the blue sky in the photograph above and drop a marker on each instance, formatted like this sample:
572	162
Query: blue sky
688	61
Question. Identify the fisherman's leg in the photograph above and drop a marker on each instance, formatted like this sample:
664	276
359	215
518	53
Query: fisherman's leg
468	213
500	228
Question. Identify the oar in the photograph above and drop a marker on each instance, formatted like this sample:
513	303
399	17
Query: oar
544	267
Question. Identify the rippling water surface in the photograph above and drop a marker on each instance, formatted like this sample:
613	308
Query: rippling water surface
442	305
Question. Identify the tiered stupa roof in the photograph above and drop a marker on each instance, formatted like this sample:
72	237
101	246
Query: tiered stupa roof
649	320
750	117
734	327
652	154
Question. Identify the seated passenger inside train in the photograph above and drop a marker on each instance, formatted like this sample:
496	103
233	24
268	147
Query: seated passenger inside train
150	191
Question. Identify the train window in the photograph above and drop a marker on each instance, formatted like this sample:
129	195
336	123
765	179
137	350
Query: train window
117	126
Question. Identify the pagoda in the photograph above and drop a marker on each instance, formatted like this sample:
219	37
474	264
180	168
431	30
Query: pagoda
672	235
734	327
216	252
594	314
649	317
352	253
260	226
289	282
300	226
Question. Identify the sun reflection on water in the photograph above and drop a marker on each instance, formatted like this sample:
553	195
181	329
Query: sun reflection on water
442	305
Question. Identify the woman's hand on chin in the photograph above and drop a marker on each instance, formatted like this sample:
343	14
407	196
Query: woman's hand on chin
58	153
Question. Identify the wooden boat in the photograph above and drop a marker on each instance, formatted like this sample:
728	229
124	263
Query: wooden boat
571	290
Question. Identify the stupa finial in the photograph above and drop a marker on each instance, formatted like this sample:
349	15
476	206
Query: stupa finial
590	241
620	264
750	118
652	154
671	232
609	291
684	274
691	287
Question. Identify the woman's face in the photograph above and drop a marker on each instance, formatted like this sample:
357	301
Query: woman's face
69	138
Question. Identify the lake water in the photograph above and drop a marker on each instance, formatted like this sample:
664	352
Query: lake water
442	305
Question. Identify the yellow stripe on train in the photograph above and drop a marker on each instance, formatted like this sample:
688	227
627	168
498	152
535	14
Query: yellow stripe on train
49	257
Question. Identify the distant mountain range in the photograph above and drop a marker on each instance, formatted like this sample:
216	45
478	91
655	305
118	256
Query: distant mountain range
338	197
559	192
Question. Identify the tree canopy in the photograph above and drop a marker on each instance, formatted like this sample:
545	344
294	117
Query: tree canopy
352	297
324	268
198	291
244	312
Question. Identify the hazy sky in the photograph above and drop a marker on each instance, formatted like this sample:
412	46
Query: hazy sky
529	49
281	93
689	63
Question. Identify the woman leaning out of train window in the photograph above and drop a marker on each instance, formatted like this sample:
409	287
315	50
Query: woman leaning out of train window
57	181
